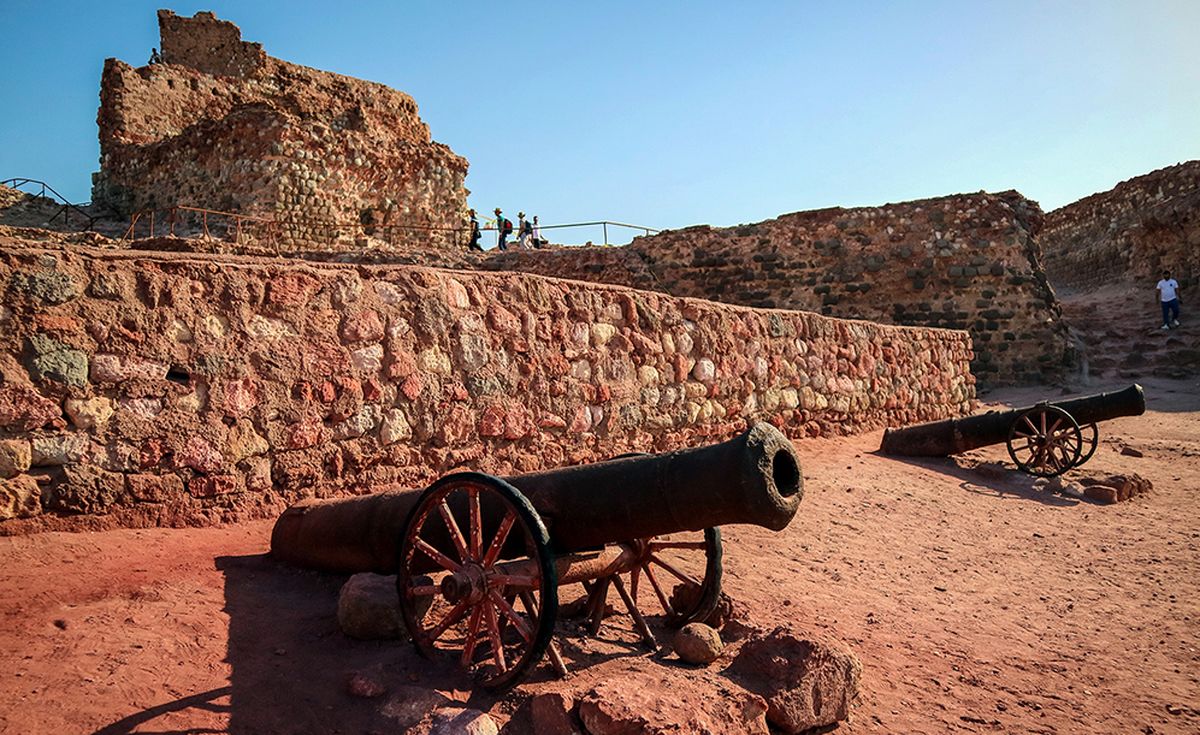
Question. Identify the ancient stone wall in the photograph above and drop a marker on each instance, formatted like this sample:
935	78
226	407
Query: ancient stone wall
968	261
152	388
1129	233
222	126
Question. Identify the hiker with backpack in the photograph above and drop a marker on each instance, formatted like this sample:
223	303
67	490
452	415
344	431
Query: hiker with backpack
524	232
504	228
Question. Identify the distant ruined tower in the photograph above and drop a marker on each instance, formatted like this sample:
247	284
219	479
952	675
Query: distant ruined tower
221	125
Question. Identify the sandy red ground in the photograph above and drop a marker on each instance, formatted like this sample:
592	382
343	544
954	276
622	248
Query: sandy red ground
976	603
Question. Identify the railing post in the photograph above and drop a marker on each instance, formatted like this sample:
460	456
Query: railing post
151	223
605	233
205	220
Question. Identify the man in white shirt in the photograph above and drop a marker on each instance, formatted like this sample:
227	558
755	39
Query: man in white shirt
1168	296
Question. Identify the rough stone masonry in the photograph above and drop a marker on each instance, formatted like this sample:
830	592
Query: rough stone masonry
139	388
968	261
220	125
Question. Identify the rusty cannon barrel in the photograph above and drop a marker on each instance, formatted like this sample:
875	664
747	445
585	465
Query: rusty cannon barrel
951	436
753	478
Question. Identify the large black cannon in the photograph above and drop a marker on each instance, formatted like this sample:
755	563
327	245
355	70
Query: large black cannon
1045	439
479	559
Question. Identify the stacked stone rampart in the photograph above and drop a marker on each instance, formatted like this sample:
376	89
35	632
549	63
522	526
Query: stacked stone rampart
968	261
151	388
220	125
1129	233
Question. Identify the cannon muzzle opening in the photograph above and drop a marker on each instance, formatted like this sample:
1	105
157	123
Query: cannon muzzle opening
785	473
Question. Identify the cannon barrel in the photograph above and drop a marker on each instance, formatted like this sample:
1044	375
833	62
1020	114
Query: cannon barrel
951	436
753	478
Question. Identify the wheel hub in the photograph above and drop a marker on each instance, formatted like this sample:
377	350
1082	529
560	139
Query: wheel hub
469	584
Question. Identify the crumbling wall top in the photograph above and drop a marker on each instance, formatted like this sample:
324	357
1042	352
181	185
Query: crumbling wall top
208	44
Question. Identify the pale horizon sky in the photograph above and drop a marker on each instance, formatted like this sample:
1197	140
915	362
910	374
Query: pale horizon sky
677	113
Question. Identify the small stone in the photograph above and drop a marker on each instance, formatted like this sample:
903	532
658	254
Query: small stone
551	714
408	705
1101	493
15	457
365	686
454	721
697	643
368	359
89	413
1131	452
24	409
53	360
20	497
58	449
395	427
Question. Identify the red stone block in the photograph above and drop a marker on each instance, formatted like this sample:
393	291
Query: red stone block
212	486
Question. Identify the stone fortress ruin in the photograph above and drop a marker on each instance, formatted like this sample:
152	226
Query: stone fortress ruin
221	125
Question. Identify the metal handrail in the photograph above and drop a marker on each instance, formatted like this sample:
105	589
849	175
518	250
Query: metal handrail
64	209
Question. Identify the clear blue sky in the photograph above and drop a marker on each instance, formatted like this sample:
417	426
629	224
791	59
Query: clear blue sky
676	113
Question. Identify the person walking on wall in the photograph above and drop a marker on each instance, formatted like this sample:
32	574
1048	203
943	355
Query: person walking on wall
537	234
1168	296
503	230
524	231
475	233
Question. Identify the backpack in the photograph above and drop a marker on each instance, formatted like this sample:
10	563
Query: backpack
507	226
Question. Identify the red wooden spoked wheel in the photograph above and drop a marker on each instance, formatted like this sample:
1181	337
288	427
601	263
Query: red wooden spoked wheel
1045	441
476	553
679	574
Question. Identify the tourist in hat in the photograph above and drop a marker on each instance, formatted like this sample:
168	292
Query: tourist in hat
524	232
503	230
475	233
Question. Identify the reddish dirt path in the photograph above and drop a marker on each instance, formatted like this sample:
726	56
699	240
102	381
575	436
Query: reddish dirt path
976	603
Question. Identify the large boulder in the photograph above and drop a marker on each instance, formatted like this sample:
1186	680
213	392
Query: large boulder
369	608
645	703
808	682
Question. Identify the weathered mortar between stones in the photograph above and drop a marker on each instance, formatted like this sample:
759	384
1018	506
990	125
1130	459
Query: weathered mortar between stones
221	125
224	388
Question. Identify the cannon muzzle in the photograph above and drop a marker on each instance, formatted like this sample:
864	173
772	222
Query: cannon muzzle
951	436
753	478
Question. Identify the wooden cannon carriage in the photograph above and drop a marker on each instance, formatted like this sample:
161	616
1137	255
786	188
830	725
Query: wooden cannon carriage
479	559
1045	439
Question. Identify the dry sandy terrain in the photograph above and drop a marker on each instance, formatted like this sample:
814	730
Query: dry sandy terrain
976	603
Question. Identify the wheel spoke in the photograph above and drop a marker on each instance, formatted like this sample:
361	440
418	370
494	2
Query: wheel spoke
468	654
494	635
445	561
455	533
493	551
476	523
634	577
658	590
517	621
1031	426
1042	420
683	577
456	614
